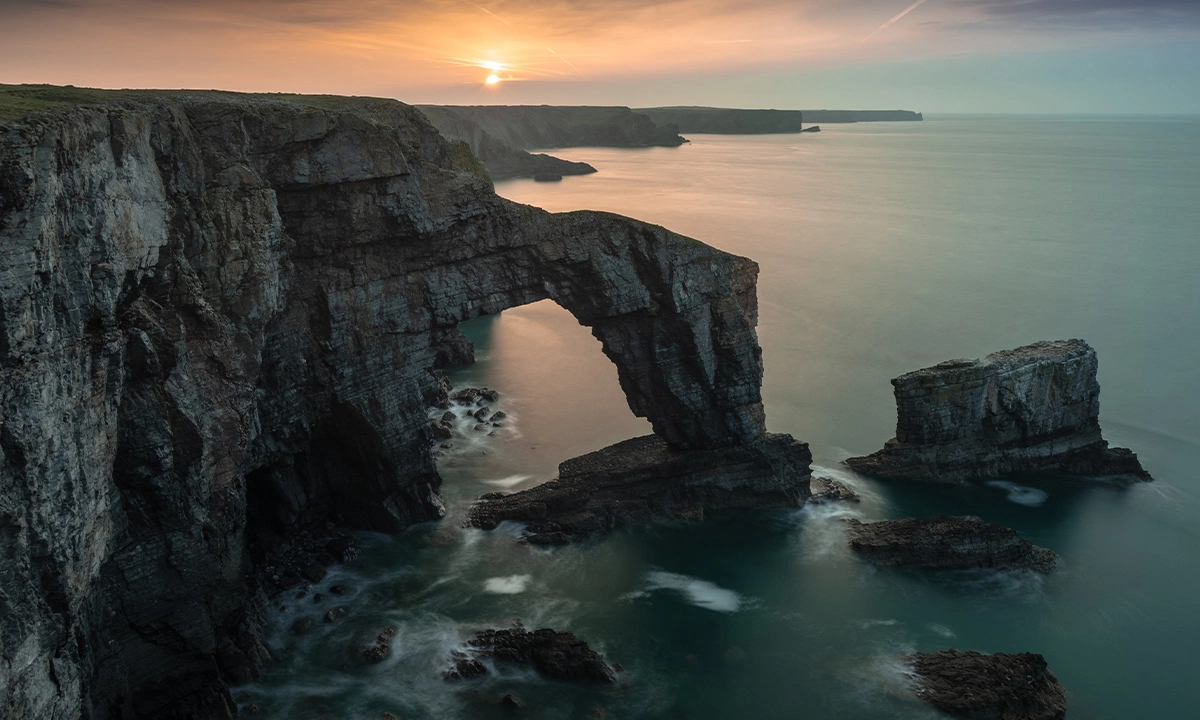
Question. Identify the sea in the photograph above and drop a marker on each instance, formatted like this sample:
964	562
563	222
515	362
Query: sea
883	248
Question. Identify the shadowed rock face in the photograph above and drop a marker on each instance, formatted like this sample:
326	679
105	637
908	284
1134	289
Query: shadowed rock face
949	543
989	687
1032	409
643	479
218	315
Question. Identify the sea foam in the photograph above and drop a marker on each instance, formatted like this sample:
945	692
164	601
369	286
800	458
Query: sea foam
700	593
1021	494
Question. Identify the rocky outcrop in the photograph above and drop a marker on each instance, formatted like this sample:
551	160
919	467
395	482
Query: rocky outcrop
644	479
948	543
1032	409
988	687
218	319
555	655
725	121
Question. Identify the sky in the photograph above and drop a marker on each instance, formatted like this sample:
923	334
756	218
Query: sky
949	56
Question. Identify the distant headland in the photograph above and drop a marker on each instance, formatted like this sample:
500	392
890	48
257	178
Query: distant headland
501	136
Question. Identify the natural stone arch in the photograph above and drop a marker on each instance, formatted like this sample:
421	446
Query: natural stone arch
229	303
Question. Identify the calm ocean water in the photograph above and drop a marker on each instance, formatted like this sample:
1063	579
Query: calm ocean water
884	248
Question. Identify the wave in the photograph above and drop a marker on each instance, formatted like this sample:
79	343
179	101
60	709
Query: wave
507	585
700	593
1020	494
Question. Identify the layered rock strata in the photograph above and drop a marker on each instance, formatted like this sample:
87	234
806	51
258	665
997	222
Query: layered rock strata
1032	409
555	655
218	319
948	543
502	135
725	121
644	479
988	687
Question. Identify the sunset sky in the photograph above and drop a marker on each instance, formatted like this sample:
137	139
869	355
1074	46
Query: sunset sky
1124	56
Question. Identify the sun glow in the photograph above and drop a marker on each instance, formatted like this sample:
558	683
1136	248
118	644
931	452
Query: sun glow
492	79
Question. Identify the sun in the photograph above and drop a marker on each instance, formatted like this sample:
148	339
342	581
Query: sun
492	79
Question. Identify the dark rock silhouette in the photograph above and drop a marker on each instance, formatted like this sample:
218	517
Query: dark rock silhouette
556	655
1032	409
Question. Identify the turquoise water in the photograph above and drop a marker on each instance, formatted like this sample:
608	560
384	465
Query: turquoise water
884	248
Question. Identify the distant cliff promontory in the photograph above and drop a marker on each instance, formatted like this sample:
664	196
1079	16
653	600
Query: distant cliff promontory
725	121
856	116
501	135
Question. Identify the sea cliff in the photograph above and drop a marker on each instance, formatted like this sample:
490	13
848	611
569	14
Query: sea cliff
219	315
502	135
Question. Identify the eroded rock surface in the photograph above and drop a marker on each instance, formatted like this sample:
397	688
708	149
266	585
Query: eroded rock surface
1032	409
989	687
556	655
947	542
218	319
825	490
643	479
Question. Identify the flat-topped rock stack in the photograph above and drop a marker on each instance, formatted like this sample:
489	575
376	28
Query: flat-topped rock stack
1032	409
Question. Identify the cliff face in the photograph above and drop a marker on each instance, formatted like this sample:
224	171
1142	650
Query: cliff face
218	315
855	116
726	121
1032	409
529	127
502	159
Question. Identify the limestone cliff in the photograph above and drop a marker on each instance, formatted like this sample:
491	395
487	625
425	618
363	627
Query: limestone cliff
218	315
1032	409
502	159
725	121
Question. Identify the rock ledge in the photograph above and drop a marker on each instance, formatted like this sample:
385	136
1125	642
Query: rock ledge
643	479
947	542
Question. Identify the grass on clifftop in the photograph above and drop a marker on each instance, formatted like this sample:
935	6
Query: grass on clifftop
22	101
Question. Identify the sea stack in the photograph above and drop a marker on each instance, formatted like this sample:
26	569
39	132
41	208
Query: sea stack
1032	409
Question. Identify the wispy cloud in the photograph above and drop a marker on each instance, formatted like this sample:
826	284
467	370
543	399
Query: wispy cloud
1085	14
899	15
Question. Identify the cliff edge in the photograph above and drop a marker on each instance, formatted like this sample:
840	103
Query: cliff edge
218	319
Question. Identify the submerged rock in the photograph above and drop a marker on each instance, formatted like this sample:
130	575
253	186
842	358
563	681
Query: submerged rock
829	490
947	542
556	655
378	650
988	687
512	702
1032	409
642	480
